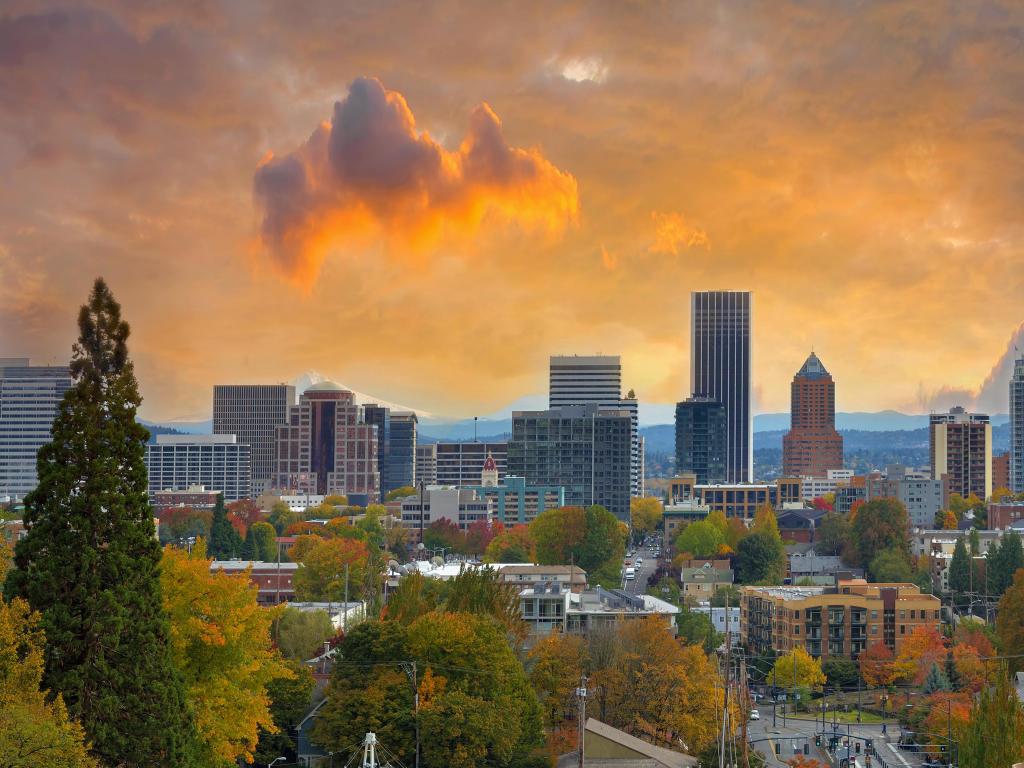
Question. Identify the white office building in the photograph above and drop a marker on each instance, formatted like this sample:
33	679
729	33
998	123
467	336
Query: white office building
218	462
29	398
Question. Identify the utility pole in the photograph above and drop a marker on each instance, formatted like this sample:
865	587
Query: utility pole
344	613
581	697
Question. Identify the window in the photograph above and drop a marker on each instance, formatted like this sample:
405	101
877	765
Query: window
874	629
903	629
874	614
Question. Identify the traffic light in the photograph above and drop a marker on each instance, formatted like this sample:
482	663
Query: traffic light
817	740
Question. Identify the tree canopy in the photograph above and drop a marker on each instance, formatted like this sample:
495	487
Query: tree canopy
592	538
880	524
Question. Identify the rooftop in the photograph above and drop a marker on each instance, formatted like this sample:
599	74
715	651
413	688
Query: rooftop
812	369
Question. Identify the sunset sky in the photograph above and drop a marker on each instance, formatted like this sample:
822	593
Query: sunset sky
426	200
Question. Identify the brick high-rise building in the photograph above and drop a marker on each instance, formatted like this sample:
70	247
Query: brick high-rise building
812	446
1001	471
961	450
326	446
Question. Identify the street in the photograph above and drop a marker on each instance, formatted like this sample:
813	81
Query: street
645	570
797	732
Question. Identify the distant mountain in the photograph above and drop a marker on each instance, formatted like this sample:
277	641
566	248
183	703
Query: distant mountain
180	427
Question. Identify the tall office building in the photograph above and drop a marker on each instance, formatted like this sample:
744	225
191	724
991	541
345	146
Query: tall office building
216	462
585	449
426	463
29	399
700	439
720	354
1017	427
597	380
961	452
326	446
460	464
401	466
812	446
251	412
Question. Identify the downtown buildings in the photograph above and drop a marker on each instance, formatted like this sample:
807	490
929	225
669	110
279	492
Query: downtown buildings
812	446
1017	427
29	399
701	434
961	452
252	412
216	462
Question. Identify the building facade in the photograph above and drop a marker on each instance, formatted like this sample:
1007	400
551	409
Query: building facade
252	412
922	497
30	396
812	446
516	503
1017	427
216	462
326	447
720	368
396	445
961	452
461	506
701	433
840	621
742	499
586	450
460	464
195	496
426	463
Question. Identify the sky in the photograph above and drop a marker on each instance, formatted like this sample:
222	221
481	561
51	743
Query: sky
425	201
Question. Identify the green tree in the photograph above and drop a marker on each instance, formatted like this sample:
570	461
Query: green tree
832	534
701	539
592	538
995	734
1010	622
1005	559
289	702
35	731
891	566
326	566
840	673
959	570
880	524
225	543
761	559
936	681
301	634
281	516
90	560
260	543
696	628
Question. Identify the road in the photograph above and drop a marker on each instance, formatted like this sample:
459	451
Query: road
645	570
799	732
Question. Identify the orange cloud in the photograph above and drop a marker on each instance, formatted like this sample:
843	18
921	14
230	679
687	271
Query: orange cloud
672	231
371	172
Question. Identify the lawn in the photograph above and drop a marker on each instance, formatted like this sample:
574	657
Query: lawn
842	717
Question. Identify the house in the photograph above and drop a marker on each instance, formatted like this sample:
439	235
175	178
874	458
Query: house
607	747
799	523
702	581
803	564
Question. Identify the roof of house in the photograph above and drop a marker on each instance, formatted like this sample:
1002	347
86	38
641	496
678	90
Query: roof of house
663	758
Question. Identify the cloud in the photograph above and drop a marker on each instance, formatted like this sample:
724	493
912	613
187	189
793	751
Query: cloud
370	171
589	69
672	232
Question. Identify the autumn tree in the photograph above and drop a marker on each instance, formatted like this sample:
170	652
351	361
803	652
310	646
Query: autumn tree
301	634
179	523
444	534
949	521
328	566
592	538
796	669
400	493
89	563
945	712
35	730
221	642
243	513
414	596
1010	622
479	534
878	666
700	539
922	649
645	514
556	663
513	545
832	534
880	524
995	734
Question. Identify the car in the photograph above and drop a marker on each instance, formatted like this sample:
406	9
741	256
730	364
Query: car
755	715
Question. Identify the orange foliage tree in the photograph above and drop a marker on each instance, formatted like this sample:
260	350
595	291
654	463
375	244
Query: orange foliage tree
877	666
946	711
243	513
922	648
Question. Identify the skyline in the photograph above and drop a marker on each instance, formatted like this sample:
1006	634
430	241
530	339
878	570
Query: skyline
856	169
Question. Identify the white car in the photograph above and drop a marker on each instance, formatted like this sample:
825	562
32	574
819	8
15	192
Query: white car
639	561
755	715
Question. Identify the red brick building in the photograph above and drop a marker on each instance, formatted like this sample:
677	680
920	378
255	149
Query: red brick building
1001	471
1002	514
812	446
196	497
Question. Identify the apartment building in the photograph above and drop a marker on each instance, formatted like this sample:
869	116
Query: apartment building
217	462
961	452
460	464
838	621
742	499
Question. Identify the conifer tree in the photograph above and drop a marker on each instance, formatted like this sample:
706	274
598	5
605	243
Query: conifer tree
89	562
225	543
995	735
959	571
936	680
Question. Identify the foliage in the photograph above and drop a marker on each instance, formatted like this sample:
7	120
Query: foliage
400	493
260	543
725	595
832	534
821	502
700	539
696	628
414	596
840	673
481	591
443	533
221	643
281	516
35	731
946	712
1010	622
225	541
335	500
89	562
289	701
995	733
183	522
301	634
556	665
936	681
479	534
949	521
891	566
922	649
512	545
761	558
1004	558
880	524
877	665
645	514
322	572
797	669
476	705
765	521
243	513
959	569
592	538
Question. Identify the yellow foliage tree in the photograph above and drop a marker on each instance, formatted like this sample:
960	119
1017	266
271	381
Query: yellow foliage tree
949	521
645	513
765	521
796	669
558	660
220	640
34	732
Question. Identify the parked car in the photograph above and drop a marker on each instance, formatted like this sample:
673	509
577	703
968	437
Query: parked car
755	715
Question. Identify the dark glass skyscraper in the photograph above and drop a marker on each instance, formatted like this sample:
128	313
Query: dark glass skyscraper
700	439
720	369
1017	426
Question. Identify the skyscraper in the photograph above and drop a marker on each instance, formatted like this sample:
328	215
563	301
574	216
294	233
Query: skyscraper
1017	427
812	446
29	398
597	380
401	467
216	462
251	412
700	439
326	446
720	355
961	452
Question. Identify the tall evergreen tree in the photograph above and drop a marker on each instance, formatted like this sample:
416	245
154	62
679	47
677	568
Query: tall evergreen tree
959	571
955	683
89	562
1007	560
936	681
225	543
